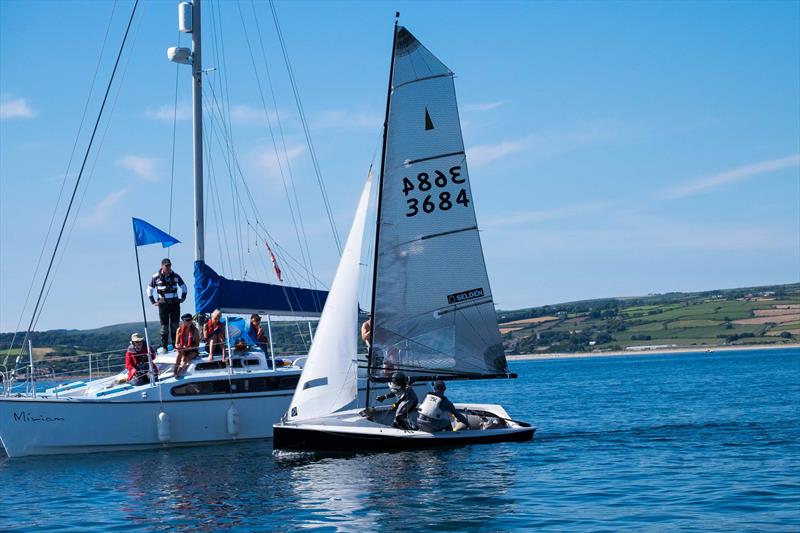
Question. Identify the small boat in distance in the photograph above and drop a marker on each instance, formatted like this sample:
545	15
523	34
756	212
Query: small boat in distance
433	316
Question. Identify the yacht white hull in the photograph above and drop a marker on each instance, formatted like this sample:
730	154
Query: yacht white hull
46	426
349	431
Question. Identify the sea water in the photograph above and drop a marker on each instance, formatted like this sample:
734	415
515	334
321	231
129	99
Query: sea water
705	441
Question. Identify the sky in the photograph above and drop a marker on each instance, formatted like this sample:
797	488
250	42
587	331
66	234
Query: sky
614	148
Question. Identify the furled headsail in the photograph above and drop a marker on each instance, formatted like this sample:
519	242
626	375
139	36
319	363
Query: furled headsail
213	291
433	314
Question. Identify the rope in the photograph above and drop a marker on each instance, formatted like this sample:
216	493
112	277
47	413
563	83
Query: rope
64	181
80	174
306	130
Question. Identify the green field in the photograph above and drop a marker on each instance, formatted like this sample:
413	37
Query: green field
679	319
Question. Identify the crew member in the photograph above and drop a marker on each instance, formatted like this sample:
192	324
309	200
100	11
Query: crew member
366	329
406	403
214	333
257	333
137	363
186	342
436	409
165	284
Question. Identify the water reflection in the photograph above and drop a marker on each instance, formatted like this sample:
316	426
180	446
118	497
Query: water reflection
451	488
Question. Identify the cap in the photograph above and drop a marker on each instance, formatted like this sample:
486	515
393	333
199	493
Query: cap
137	337
186	317
166	261
439	385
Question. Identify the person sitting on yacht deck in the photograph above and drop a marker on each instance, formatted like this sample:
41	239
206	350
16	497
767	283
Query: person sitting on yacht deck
137	363
215	336
257	332
436	409
187	339
406	403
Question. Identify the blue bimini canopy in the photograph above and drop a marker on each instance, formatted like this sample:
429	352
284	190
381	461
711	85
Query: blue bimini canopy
212	291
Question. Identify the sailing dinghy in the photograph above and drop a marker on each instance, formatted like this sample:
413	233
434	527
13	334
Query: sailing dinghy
433	315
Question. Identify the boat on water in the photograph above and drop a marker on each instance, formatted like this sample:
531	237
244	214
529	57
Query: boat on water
433	316
214	401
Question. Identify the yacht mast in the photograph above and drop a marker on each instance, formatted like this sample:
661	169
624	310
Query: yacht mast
197	127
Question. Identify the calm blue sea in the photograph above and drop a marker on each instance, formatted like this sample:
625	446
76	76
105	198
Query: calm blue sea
693	442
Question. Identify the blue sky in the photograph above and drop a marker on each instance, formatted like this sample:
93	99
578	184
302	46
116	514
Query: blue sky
614	148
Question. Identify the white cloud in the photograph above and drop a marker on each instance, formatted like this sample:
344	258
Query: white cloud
737	174
11	107
168	112
143	167
264	160
482	107
245	114
542	215
347	120
103	209
483	154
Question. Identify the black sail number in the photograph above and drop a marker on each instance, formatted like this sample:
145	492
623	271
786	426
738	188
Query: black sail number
443	200
412	206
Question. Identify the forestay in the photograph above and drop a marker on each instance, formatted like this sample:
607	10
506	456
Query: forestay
330	376
433	309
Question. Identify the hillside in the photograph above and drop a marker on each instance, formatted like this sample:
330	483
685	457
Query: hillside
753	315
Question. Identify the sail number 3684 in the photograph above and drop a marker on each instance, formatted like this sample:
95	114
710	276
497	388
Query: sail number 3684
442	200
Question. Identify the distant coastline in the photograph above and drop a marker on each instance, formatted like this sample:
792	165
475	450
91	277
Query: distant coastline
663	351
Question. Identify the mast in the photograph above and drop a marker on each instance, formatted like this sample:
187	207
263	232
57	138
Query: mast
197	127
378	221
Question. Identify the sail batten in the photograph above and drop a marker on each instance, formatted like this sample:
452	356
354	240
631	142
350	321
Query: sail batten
433	309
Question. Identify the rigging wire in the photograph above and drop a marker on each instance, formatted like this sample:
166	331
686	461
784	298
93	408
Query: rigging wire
174	137
306	129
280	132
303	251
66	176
92	167
80	174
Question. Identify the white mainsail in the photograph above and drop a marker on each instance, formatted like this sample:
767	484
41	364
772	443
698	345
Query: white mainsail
433	309
330	376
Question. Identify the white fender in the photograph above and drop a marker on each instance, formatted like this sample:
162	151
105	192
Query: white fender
233	420
164	430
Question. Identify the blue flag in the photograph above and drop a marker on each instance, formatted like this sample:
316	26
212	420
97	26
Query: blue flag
146	233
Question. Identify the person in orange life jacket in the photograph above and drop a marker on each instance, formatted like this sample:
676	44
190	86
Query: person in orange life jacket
257	332
186	342
214	333
435	411
136	361
407	400
165	284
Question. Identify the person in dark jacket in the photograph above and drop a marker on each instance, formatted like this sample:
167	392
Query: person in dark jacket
406	403
436	410
165	284
257	332
137	362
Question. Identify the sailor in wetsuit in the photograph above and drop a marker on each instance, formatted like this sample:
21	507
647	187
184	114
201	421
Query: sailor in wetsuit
406	403
436	409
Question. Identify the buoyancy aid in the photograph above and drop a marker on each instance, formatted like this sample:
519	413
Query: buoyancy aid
187	336
213	328
431	408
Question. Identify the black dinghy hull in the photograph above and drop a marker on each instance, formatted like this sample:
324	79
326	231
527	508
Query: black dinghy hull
287	437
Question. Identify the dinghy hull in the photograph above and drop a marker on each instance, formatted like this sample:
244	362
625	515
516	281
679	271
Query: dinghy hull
295	438
351	431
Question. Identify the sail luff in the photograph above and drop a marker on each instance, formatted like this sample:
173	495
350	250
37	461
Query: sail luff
378	214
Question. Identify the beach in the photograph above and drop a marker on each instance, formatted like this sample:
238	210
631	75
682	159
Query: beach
659	351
